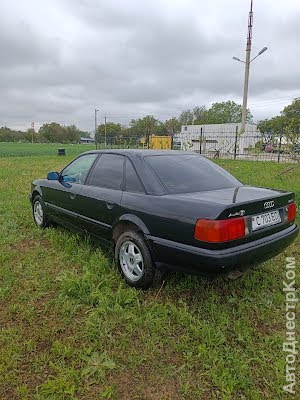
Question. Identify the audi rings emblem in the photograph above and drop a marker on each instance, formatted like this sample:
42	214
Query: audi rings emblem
269	204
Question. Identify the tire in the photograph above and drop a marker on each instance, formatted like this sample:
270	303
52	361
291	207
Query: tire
39	213
134	261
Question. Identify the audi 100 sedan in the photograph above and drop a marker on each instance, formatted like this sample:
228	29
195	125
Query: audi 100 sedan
166	209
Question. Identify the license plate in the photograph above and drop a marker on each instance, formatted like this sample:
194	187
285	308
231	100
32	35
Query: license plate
262	220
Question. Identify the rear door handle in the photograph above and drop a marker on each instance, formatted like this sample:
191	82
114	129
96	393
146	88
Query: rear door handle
109	205
72	196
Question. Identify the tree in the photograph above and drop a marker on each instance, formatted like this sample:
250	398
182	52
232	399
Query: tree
172	125
225	113
291	116
200	114
30	135
113	130
10	135
287	124
271	128
143	126
196	115
186	117
219	113
72	134
292	111
53	132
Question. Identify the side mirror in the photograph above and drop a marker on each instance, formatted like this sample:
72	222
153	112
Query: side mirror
53	176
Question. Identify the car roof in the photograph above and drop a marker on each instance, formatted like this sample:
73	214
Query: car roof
150	181
141	152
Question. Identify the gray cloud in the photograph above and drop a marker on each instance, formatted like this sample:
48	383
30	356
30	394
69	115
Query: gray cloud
61	59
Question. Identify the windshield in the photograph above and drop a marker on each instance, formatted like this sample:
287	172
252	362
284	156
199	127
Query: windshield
186	173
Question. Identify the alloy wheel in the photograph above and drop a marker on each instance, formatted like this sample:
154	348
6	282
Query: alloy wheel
38	213
131	261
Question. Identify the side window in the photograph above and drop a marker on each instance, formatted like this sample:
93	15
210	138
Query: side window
132	181
108	172
77	171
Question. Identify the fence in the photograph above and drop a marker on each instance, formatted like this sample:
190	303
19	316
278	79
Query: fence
227	145
233	145
163	142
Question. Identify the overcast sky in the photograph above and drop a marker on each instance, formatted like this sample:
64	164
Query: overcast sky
62	58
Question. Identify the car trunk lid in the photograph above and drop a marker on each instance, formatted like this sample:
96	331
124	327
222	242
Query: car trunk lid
249	201
248	198
264	210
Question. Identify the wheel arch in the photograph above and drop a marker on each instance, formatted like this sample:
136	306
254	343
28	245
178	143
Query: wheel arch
36	192
128	221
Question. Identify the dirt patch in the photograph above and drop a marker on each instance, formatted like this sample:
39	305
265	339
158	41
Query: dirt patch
24	245
268	329
140	385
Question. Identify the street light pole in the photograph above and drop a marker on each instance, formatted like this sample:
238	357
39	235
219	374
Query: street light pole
105	118
96	126
246	86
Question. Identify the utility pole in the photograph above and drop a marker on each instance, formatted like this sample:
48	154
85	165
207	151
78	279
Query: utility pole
96	126
32	131
105	118
247	68
151	125
247	63
170	127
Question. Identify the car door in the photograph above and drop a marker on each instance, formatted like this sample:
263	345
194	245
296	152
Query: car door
100	197
61	196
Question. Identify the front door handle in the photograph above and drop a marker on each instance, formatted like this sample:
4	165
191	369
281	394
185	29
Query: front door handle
72	196
109	205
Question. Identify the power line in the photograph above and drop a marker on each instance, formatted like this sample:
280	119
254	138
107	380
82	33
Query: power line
273	100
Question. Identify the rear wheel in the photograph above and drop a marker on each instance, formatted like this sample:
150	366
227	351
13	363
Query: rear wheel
39	213
133	258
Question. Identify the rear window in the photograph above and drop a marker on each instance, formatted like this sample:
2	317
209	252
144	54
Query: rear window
108	172
186	173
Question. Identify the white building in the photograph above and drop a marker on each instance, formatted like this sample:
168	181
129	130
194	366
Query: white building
214	138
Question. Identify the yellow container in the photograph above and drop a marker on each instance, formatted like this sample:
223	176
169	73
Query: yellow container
160	142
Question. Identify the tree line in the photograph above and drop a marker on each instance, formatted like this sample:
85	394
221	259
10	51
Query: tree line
218	113
287	123
48	133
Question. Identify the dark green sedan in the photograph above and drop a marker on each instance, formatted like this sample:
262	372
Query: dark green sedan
166	209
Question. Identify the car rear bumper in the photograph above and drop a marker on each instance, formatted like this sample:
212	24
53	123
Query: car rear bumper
198	260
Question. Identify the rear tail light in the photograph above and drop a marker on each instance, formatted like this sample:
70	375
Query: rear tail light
291	211
216	231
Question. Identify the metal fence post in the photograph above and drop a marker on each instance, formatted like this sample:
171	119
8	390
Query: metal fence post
279	149
201	138
235	143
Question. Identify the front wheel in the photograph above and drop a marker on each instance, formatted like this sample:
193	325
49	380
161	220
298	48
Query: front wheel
133	258
39	213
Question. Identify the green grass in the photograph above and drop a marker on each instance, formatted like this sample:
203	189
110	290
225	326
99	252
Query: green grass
41	149
49	149
71	329
265	174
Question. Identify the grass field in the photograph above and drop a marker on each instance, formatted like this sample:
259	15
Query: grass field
41	149
70	328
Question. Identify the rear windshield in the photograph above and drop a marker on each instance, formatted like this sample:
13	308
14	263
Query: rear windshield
186	173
